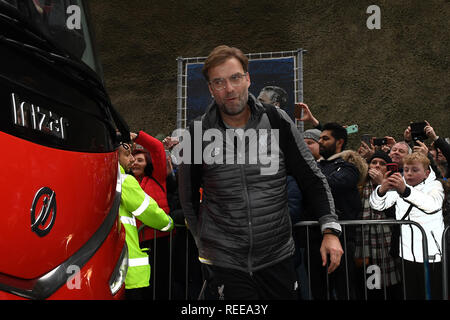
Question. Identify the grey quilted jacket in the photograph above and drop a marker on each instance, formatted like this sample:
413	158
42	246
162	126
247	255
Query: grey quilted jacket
243	219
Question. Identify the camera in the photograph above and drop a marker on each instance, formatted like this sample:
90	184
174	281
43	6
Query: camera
352	129
417	131
367	138
379	141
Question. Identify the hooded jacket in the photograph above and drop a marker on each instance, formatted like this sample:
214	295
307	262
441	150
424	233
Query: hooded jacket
427	198
154	186
243	220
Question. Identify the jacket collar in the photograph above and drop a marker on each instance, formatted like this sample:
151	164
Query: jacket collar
333	157
213	117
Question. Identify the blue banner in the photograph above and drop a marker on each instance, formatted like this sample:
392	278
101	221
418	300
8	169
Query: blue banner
278	72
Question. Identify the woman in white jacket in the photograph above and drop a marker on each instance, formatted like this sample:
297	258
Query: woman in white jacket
420	190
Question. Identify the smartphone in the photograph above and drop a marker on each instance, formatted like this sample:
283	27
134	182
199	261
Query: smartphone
298	112
352	129
367	138
418	131
392	167
379	141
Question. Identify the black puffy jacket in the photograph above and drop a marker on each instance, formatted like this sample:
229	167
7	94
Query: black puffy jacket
243	220
342	177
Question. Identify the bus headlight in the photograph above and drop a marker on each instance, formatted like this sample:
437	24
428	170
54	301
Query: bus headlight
120	272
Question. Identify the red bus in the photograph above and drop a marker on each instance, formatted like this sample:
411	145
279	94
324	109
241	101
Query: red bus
60	237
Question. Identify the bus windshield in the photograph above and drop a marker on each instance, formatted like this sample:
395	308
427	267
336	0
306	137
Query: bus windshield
64	23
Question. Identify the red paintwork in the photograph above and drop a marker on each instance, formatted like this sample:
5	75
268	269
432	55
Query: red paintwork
95	275
84	184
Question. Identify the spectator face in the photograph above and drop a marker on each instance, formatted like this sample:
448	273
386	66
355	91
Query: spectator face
415	173
139	165
313	147
126	159
398	152
264	98
231	100
378	164
438	156
327	144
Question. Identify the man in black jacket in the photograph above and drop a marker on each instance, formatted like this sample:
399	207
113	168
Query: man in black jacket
342	177
242	227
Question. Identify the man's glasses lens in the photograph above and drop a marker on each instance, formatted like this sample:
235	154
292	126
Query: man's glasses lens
235	80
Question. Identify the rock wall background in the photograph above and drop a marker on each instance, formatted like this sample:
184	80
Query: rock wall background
379	79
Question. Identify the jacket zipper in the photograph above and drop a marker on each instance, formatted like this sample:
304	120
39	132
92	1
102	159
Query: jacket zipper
249	216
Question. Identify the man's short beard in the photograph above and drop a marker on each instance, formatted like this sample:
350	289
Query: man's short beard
226	111
242	104
327	152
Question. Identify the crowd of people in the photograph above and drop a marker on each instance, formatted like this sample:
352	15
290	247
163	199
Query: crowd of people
237	226
404	180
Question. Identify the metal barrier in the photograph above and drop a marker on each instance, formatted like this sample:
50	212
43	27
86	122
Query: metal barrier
345	259
445	264
153	255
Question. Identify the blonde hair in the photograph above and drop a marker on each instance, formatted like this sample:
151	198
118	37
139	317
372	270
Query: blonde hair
417	157
360	164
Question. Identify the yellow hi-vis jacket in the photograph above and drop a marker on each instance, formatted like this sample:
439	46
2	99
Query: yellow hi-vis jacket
136	204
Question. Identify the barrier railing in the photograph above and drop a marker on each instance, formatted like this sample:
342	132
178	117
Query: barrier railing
445	264
346	259
188	295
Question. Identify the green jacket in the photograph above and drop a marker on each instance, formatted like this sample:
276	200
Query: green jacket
136	204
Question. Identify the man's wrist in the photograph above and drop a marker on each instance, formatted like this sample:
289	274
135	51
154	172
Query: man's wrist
335	232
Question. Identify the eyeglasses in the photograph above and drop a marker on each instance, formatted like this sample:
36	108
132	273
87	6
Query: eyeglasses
221	83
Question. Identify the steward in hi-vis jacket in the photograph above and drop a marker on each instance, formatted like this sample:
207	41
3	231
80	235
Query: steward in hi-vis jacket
136	204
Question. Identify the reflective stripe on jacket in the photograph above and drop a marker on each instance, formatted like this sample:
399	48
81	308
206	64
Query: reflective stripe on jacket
136	204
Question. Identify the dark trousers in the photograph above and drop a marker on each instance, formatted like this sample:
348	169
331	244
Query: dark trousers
137	294
160	267
340	284
187	284
277	282
415	284
393	292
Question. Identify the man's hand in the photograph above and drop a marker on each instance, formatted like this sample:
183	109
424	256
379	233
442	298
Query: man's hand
407	134
390	141
307	115
133	136
332	246
421	148
365	150
429	131
170	142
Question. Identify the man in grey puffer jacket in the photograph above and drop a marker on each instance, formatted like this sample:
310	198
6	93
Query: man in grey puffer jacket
242	226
